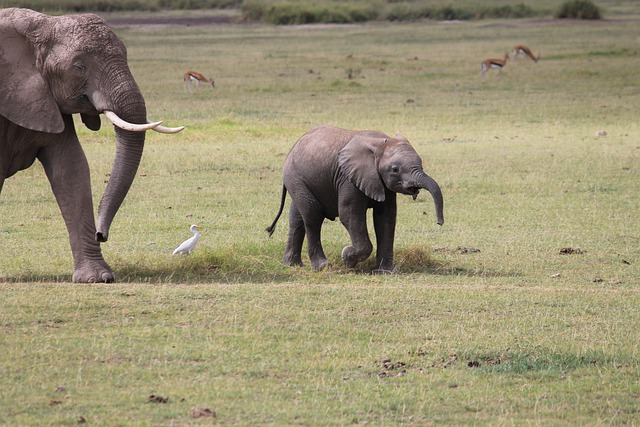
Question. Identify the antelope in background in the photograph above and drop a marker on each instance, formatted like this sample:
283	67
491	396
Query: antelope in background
488	64
525	51
194	77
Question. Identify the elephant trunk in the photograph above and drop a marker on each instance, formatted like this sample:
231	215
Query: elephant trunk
432	186
129	147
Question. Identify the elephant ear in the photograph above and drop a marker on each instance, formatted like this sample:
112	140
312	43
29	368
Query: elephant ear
25	98
401	137
359	161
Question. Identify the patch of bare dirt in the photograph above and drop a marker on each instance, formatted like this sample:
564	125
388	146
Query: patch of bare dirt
572	251
392	370
158	399
198	412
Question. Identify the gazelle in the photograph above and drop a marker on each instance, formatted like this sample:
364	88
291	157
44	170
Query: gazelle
194	77
524	50
488	64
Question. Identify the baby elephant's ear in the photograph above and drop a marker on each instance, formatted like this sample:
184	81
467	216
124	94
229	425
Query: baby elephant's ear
359	161
401	137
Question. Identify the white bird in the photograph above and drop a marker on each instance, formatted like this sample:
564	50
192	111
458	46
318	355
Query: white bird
188	245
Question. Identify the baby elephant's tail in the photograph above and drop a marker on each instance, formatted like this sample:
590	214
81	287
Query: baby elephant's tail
272	227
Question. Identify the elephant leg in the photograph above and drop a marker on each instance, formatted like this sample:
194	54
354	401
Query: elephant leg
67	169
293	251
384	223
354	218
313	228
306	218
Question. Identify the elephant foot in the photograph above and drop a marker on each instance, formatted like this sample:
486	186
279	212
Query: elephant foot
351	256
385	266
347	256
320	264
293	261
392	270
94	272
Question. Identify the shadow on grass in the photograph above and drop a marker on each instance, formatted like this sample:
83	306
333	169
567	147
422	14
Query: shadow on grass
32	277
220	266
257	265
523	363
417	259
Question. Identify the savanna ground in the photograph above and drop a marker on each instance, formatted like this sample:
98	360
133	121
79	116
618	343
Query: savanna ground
523	309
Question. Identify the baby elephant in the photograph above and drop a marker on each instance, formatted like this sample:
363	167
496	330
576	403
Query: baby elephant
332	172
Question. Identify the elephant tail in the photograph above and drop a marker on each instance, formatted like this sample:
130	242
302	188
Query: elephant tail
272	227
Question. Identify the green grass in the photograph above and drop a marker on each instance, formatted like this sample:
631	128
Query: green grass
455	353
515	333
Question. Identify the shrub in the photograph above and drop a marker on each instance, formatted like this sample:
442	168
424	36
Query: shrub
294	13
49	6
408	12
579	9
507	11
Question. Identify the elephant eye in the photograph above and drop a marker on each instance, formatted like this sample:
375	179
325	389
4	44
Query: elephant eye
80	66
395	169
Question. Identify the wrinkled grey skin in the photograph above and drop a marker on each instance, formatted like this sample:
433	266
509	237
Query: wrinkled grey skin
51	68
332	172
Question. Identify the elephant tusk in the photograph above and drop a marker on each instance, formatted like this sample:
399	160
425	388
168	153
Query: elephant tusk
129	126
164	129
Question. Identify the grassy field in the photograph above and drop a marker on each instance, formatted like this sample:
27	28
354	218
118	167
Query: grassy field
523	309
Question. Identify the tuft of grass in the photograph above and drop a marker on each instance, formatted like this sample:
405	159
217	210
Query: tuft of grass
416	258
232	264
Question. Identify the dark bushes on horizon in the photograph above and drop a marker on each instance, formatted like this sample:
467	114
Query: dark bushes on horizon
293	12
75	6
579	9
290	12
448	13
296	13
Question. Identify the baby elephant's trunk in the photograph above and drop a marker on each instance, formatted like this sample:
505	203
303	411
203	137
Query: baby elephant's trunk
432	186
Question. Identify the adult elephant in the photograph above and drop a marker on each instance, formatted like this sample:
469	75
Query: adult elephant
332	172
51	68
